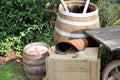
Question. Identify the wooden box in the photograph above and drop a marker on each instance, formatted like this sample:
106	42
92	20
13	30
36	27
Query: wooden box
65	67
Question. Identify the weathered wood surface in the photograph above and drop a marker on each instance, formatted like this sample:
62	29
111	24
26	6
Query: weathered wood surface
84	67
109	36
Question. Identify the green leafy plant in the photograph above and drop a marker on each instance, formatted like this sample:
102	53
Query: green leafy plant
108	12
23	22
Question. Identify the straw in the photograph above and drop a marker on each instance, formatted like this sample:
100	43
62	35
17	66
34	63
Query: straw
117	22
86	6
64	5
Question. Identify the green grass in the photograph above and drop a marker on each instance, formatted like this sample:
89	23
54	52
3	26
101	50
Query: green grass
12	71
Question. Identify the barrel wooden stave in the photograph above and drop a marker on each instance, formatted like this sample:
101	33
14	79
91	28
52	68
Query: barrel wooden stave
36	70
73	28
33	77
80	19
37	62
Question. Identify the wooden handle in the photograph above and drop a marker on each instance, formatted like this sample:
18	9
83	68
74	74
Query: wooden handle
86	6
64	5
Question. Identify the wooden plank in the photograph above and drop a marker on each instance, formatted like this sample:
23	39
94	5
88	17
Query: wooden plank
95	68
72	75
72	66
50	69
99	62
94	71
109	36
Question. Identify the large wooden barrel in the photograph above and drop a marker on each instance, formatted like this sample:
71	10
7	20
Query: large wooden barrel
71	25
34	55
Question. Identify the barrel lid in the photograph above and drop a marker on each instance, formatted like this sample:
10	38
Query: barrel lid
37	50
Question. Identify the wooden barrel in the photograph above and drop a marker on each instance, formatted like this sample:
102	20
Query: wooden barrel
34	55
71	25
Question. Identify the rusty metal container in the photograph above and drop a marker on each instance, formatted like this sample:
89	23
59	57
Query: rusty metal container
34	55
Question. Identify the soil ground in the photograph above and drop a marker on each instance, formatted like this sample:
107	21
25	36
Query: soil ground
9	57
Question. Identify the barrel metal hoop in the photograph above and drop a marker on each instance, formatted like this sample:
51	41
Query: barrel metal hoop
33	65
72	35
78	15
35	74
77	23
25	56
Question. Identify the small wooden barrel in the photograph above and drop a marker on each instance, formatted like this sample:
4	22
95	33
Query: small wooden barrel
34	55
73	24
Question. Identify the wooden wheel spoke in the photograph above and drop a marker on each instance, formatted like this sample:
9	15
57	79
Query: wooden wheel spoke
115	73
116	69
111	78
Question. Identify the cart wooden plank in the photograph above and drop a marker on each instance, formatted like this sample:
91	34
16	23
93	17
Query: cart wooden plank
109	36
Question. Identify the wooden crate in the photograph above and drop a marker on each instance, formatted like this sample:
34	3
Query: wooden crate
64	67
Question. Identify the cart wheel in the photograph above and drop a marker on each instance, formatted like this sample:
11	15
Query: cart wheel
112	71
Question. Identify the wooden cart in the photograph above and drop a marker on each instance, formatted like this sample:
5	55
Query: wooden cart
110	37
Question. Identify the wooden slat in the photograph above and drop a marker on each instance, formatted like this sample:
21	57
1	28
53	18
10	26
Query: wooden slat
109	36
94	72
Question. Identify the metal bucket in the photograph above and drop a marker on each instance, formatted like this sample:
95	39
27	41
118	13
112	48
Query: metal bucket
34	55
